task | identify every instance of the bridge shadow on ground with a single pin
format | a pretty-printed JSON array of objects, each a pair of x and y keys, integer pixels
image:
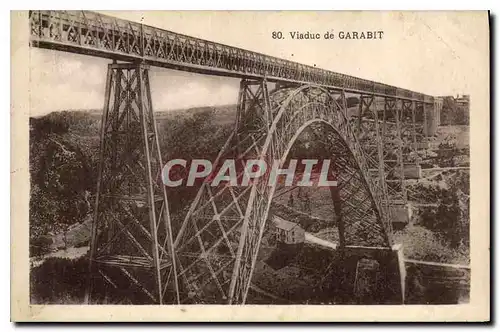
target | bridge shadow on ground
[
  {"x": 309, "y": 274},
  {"x": 290, "y": 274}
]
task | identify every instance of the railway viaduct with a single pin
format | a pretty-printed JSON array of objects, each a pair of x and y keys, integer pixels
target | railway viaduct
[{"x": 211, "y": 255}]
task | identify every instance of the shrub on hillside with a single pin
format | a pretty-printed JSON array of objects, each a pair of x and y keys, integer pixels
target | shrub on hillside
[
  {"x": 40, "y": 245},
  {"x": 450, "y": 218},
  {"x": 59, "y": 281},
  {"x": 422, "y": 244}
]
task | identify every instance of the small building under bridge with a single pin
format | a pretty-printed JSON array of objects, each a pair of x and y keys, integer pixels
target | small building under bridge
[{"x": 287, "y": 232}]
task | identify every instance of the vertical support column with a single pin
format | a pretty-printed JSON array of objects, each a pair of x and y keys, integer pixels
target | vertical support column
[
  {"x": 149, "y": 183},
  {"x": 401, "y": 157},
  {"x": 344, "y": 103},
  {"x": 438, "y": 106},
  {"x": 95, "y": 221},
  {"x": 393, "y": 115},
  {"x": 425, "y": 107},
  {"x": 334, "y": 190},
  {"x": 366, "y": 130},
  {"x": 409, "y": 137},
  {"x": 131, "y": 248},
  {"x": 359, "y": 127},
  {"x": 381, "y": 163},
  {"x": 240, "y": 111},
  {"x": 414, "y": 131},
  {"x": 256, "y": 209},
  {"x": 431, "y": 119},
  {"x": 165, "y": 208}
]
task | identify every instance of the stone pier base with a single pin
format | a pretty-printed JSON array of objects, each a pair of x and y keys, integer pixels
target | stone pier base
[
  {"x": 401, "y": 214},
  {"x": 380, "y": 274}
]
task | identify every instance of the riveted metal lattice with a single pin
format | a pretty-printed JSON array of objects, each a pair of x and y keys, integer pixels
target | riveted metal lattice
[
  {"x": 215, "y": 252},
  {"x": 132, "y": 243},
  {"x": 219, "y": 240},
  {"x": 97, "y": 34}
]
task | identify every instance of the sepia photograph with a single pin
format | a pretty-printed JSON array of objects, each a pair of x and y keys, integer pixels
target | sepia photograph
[{"x": 325, "y": 160}]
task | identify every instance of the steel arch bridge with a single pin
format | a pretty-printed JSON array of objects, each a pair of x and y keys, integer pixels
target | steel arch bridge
[
  {"x": 268, "y": 125},
  {"x": 212, "y": 256}
]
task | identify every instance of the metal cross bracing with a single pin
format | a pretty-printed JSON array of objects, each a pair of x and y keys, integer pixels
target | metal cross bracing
[
  {"x": 393, "y": 126},
  {"x": 131, "y": 237},
  {"x": 393, "y": 147},
  {"x": 370, "y": 131},
  {"x": 218, "y": 244},
  {"x": 413, "y": 121},
  {"x": 100, "y": 35}
]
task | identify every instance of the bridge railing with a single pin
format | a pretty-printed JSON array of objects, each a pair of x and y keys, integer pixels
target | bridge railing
[{"x": 97, "y": 34}]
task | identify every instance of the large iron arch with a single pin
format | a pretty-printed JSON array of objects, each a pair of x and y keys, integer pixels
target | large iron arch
[{"x": 216, "y": 259}]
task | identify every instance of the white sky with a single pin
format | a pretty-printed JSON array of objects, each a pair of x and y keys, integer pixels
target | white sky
[{"x": 430, "y": 52}]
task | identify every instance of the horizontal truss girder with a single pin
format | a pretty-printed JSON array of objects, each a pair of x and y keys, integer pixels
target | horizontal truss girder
[{"x": 100, "y": 35}]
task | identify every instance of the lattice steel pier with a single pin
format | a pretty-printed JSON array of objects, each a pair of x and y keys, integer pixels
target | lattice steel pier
[{"x": 131, "y": 233}]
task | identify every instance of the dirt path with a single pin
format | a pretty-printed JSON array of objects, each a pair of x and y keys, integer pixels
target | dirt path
[
  {"x": 70, "y": 253},
  {"x": 313, "y": 239}
]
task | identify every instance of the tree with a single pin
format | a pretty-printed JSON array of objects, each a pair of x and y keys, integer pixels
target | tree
[{"x": 448, "y": 220}]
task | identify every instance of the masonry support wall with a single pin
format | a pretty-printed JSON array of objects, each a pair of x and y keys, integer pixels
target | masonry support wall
[
  {"x": 438, "y": 106},
  {"x": 392, "y": 278},
  {"x": 433, "y": 114}
]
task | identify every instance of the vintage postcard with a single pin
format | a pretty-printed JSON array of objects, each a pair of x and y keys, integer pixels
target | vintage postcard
[{"x": 250, "y": 166}]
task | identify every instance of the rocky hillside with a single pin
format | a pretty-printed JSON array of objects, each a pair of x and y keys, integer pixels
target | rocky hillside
[{"x": 63, "y": 147}]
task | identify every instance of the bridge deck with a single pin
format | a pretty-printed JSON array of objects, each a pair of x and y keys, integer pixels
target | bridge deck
[{"x": 104, "y": 36}]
